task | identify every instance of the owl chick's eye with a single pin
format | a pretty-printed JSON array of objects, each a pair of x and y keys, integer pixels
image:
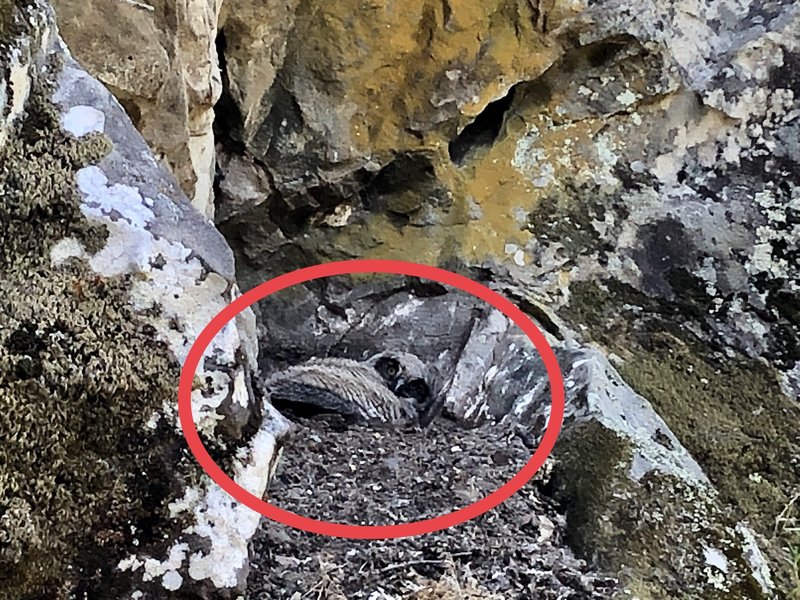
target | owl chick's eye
[{"x": 388, "y": 368}]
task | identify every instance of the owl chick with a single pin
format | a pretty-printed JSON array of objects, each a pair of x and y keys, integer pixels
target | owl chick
[{"x": 390, "y": 387}]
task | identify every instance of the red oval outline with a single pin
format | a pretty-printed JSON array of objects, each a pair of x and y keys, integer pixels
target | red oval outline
[{"x": 371, "y": 532}]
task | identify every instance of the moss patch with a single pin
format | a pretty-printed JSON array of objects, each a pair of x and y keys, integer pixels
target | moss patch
[
  {"x": 11, "y": 23},
  {"x": 591, "y": 456},
  {"x": 733, "y": 418},
  {"x": 5, "y": 16},
  {"x": 633, "y": 522},
  {"x": 729, "y": 412},
  {"x": 80, "y": 374}
]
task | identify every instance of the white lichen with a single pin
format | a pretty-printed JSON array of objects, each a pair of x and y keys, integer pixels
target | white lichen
[
  {"x": 65, "y": 249},
  {"x": 171, "y": 279},
  {"x": 82, "y": 120}
]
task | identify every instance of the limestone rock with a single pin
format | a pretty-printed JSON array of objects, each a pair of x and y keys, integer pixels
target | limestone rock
[
  {"x": 628, "y": 483},
  {"x": 335, "y": 92},
  {"x": 630, "y": 488},
  {"x": 159, "y": 58},
  {"x": 109, "y": 274},
  {"x": 632, "y": 169},
  {"x": 256, "y": 36}
]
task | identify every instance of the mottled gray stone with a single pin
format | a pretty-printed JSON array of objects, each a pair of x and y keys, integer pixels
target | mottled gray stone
[{"x": 176, "y": 272}]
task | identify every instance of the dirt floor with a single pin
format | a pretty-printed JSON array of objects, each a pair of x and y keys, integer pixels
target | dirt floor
[{"x": 358, "y": 475}]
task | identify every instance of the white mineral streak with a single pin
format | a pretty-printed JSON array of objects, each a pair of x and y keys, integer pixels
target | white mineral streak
[
  {"x": 790, "y": 382},
  {"x": 759, "y": 567},
  {"x": 17, "y": 89},
  {"x": 203, "y": 159},
  {"x": 715, "y": 558},
  {"x": 228, "y": 524},
  {"x": 22, "y": 57},
  {"x": 224, "y": 521},
  {"x": 172, "y": 280},
  {"x": 151, "y": 568}
]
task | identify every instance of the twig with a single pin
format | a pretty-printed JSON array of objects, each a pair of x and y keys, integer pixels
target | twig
[
  {"x": 782, "y": 518},
  {"x": 421, "y": 562}
]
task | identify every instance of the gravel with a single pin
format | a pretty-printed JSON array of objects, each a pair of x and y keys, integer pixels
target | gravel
[{"x": 359, "y": 475}]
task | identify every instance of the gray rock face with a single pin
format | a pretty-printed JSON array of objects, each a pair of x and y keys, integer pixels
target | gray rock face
[
  {"x": 635, "y": 177},
  {"x": 704, "y": 208},
  {"x": 626, "y": 172},
  {"x": 490, "y": 372},
  {"x": 160, "y": 61},
  {"x": 108, "y": 275}
]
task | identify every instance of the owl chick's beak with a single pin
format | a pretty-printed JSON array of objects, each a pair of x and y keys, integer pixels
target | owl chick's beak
[{"x": 419, "y": 390}]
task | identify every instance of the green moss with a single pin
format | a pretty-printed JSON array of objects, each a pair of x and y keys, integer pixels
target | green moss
[
  {"x": 733, "y": 418},
  {"x": 5, "y": 16},
  {"x": 729, "y": 412},
  {"x": 11, "y": 23},
  {"x": 590, "y": 455},
  {"x": 634, "y": 522},
  {"x": 80, "y": 374}
]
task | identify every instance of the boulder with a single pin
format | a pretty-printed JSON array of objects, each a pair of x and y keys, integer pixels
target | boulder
[
  {"x": 109, "y": 274},
  {"x": 159, "y": 58}
]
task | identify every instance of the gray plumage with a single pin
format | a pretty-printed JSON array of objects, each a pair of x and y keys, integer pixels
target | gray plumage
[{"x": 390, "y": 387}]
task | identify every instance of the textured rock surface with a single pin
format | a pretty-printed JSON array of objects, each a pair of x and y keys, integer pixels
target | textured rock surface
[
  {"x": 159, "y": 59},
  {"x": 385, "y": 476},
  {"x": 628, "y": 169},
  {"x": 627, "y": 172},
  {"x": 108, "y": 274},
  {"x": 626, "y": 482},
  {"x": 355, "y": 84}
]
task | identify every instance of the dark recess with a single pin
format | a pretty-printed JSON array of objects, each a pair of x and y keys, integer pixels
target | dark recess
[
  {"x": 483, "y": 131},
  {"x": 409, "y": 174},
  {"x": 132, "y": 110},
  {"x": 227, "y": 118},
  {"x": 405, "y": 172}
]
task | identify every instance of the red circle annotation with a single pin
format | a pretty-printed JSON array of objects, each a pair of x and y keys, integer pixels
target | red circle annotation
[{"x": 374, "y": 532}]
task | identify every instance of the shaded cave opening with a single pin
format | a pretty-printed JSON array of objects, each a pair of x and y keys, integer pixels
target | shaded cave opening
[{"x": 483, "y": 131}]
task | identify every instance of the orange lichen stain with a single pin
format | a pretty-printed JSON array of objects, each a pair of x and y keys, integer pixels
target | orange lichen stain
[
  {"x": 492, "y": 183},
  {"x": 415, "y": 74},
  {"x": 411, "y": 76},
  {"x": 379, "y": 237},
  {"x": 492, "y": 194},
  {"x": 499, "y": 191},
  {"x": 408, "y": 69},
  {"x": 505, "y": 189}
]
